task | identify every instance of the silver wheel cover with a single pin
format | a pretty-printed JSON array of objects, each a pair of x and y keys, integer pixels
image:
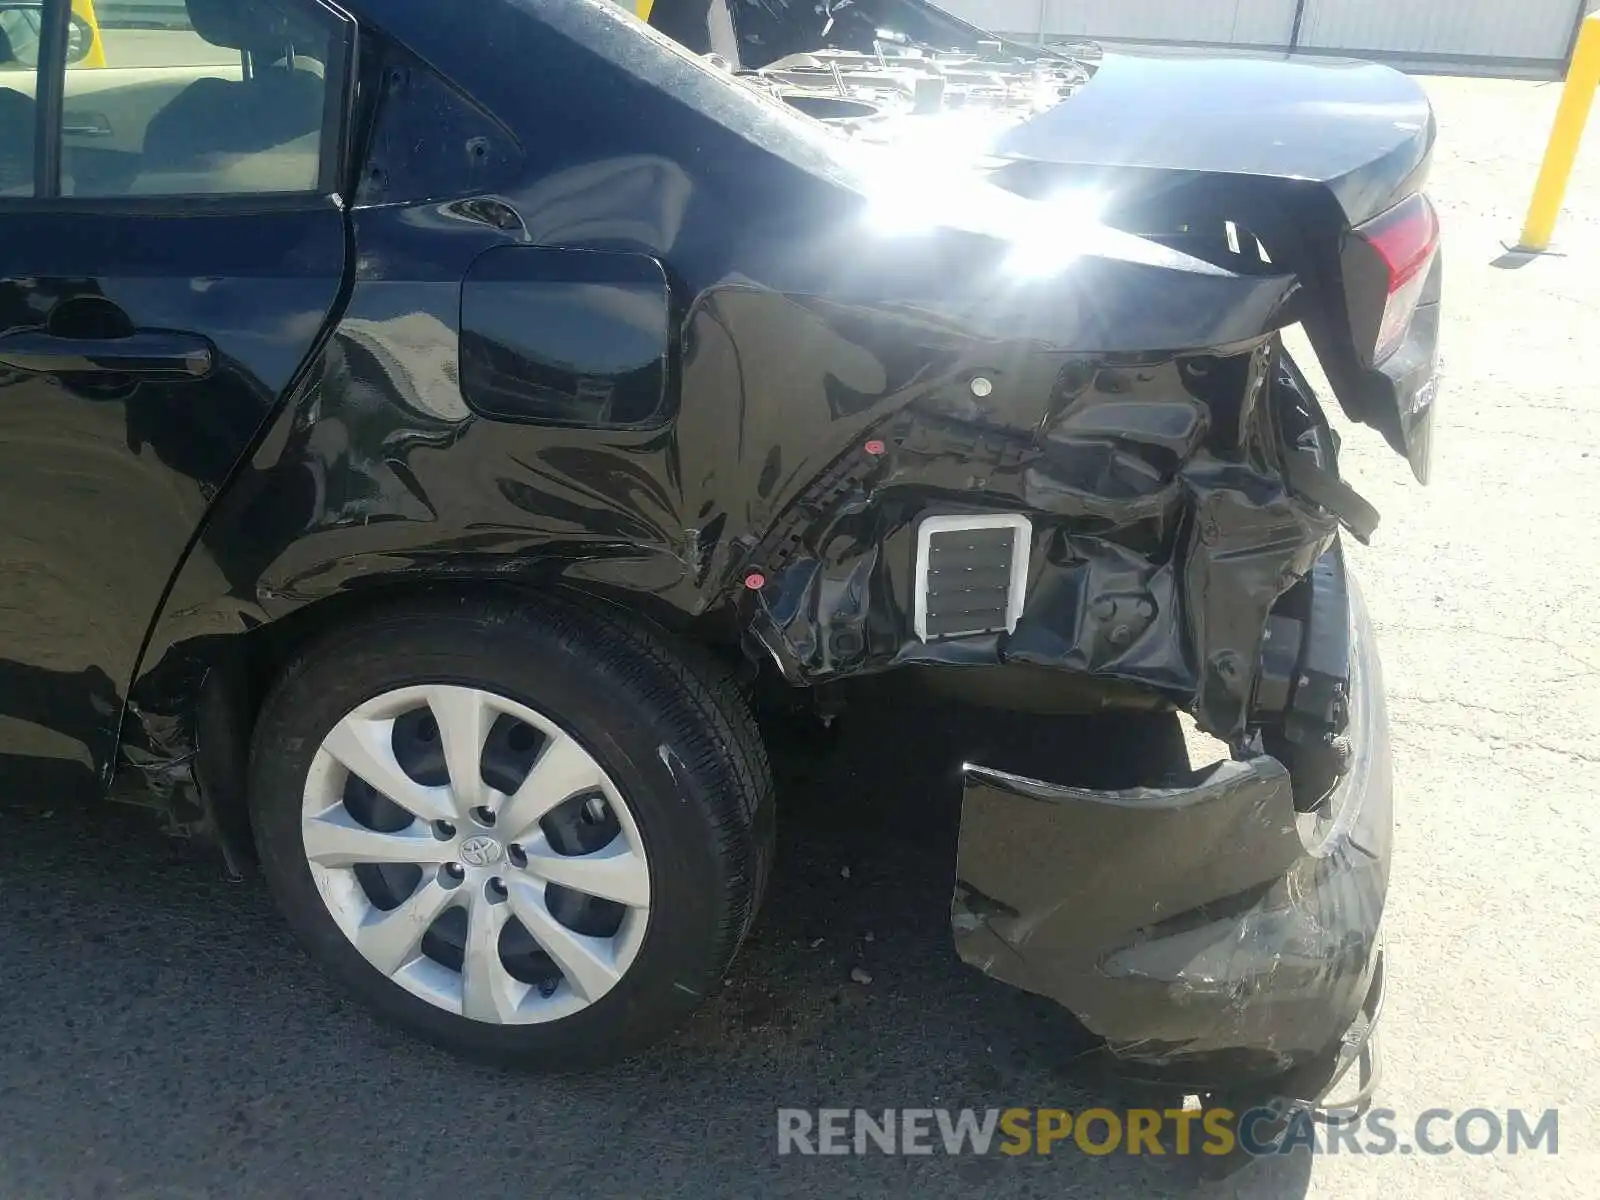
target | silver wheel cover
[{"x": 497, "y": 870}]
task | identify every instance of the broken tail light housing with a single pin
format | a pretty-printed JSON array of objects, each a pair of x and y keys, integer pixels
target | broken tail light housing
[{"x": 1407, "y": 239}]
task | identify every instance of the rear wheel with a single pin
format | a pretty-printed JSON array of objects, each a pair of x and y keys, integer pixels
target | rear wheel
[{"x": 531, "y": 834}]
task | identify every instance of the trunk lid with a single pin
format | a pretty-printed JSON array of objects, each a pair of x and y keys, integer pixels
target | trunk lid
[
  {"x": 1309, "y": 158},
  {"x": 1360, "y": 130},
  {"x": 1299, "y": 155}
]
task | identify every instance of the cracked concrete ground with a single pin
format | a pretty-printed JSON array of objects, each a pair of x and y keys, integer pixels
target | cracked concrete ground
[{"x": 160, "y": 1037}]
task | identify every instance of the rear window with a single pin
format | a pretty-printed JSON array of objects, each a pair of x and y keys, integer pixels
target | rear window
[
  {"x": 19, "y": 56},
  {"x": 616, "y": 34},
  {"x": 134, "y": 32}
]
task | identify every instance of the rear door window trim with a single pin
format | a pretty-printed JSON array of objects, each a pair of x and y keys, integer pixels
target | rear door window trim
[{"x": 50, "y": 96}]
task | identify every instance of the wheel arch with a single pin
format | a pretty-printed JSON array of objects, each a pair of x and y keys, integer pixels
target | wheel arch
[
  {"x": 191, "y": 713},
  {"x": 680, "y": 760}
]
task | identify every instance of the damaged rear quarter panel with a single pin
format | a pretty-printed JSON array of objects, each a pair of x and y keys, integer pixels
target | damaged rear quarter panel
[
  {"x": 1133, "y": 416},
  {"x": 1163, "y": 527}
]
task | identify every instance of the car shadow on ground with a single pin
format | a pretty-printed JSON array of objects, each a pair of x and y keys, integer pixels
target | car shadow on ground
[{"x": 160, "y": 1036}]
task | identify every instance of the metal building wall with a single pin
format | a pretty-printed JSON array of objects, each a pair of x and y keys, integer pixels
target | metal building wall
[
  {"x": 1530, "y": 29},
  {"x": 1229, "y": 22},
  {"x": 1534, "y": 32}
]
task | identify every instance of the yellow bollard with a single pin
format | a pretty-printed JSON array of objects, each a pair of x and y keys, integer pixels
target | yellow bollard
[
  {"x": 1576, "y": 100},
  {"x": 643, "y": 7}
]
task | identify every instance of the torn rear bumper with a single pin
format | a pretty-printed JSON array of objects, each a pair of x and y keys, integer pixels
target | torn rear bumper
[{"x": 1213, "y": 936}]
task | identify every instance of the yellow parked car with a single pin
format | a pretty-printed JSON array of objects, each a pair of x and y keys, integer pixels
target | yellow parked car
[
  {"x": 95, "y": 56},
  {"x": 19, "y": 37}
]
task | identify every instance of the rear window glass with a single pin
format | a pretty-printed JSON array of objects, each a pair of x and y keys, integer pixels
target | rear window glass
[
  {"x": 213, "y": 99},
  {"x": 133, "y": 32},
  {"x": 663, "y": 63},
  {"x": 19, "y": 54}
]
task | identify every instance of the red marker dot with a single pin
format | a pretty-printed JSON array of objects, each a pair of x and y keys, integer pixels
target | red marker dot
[
  {"x": 874, "y": 447},
  {"x": 755, "y": 581}
]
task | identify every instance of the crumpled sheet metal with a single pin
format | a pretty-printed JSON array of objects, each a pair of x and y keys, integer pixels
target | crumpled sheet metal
[
  {"x": 1164, "y": 529},
  {"x": 1209, "y": 933}
]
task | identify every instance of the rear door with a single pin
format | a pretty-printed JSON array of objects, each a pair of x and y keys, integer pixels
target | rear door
[{"x": 172, "y": 248}]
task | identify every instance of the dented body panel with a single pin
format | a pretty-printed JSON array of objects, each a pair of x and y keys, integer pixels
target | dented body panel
[
  {"x": 1164, "y": 529},
  {"x": 751, "y": 356},
  {"x": 1299, "y": 153}
]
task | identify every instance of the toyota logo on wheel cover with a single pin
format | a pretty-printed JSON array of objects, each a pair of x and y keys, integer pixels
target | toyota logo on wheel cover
[{"x": 480, "y": 851}]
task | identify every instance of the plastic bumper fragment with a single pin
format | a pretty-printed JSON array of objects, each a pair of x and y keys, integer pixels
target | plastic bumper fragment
[{"x": 1213, "y": 936}]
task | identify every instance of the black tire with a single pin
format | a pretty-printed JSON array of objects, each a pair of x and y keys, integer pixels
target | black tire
[{"x": 661, "y": 719}]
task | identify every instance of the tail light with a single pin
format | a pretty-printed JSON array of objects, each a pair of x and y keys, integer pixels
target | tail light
[{"x": 1407, "y": 239}]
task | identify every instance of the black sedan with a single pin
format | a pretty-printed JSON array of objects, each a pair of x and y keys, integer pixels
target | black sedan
[{"x": 424, "y": 442}]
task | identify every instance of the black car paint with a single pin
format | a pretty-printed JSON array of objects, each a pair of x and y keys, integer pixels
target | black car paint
[
  {"x": 1142, "y": 413},
  {"x": 1360, "y": 130},
  {"x": 1299, "y": 153},
  {"x": 1343, "y": 143},
  {"x": 105, "y": 476},
  {"x": 1214, "y": 930}
]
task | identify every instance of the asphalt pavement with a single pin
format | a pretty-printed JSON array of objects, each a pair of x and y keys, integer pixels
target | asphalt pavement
[{"x": 161, "y": 1037}]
